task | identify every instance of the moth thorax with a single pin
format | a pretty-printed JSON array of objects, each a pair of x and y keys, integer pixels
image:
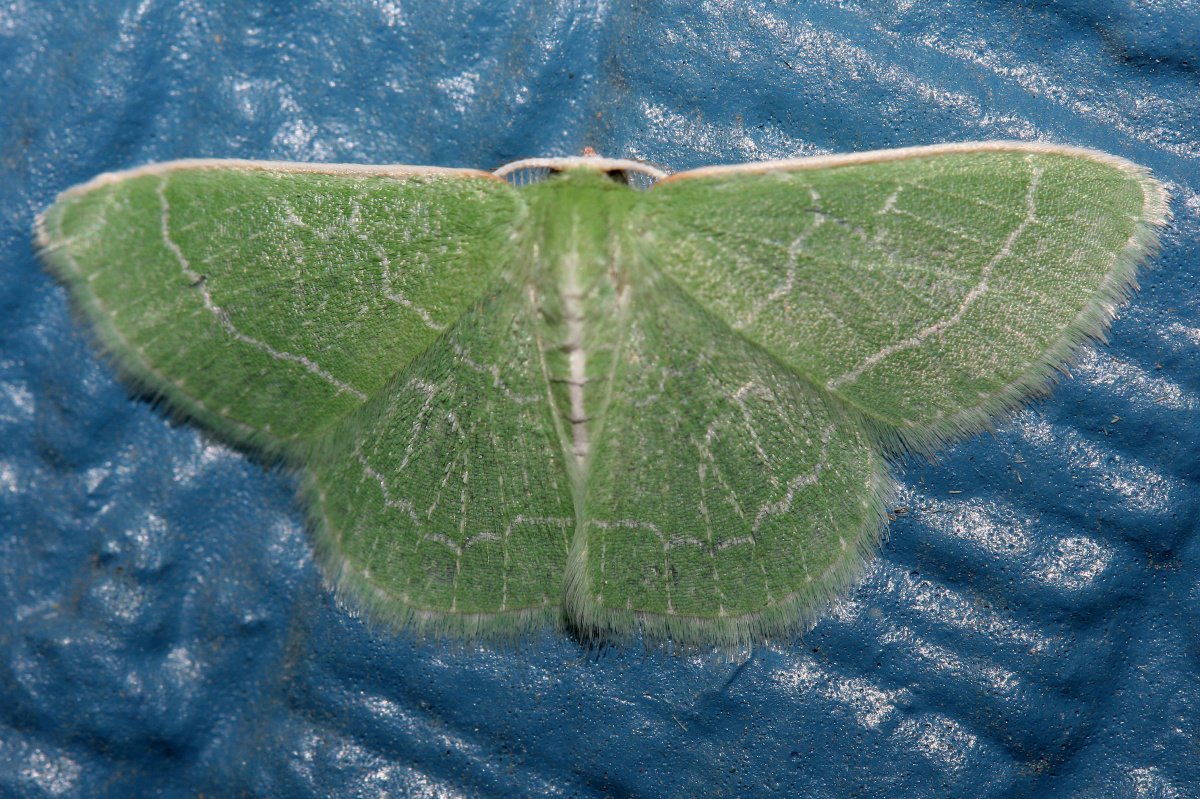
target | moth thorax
[{"x": 581, "y": 314}]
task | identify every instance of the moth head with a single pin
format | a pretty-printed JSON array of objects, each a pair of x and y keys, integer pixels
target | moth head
[{"x": 635, "y": 174}]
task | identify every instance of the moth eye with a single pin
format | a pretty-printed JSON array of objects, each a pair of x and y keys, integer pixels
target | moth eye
[
  {"x": 640, "y": 179},
  {"x": 633, "y": 178}
]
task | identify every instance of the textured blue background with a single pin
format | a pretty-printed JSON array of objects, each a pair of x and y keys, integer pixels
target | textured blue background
[{"x": 164, "y": 631}]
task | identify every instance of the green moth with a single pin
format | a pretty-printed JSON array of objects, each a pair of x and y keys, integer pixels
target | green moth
[{"x": 604, "y": 397}]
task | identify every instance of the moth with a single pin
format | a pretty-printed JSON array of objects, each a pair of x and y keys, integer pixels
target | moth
[{"x": 580, "y": 391}]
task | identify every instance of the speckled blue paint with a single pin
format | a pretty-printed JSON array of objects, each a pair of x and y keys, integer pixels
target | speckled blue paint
[{"x": 163, "y": 630}]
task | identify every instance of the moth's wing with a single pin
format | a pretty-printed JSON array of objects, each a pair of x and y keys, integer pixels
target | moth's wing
[
  {"x": 930, "y": 288},
  {"x": 443, "y": 506},
  {"x": 268, "y": 300},
  {"x": 726, "y": 499}
]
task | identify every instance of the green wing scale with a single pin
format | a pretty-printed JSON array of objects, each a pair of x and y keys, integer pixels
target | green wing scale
[
  {"x": 727, "y": 497},
  {"x": 668, "y": 411}
]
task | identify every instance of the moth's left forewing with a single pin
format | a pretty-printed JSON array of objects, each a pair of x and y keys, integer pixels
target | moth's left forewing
[
  {"x": 928, "y": 288},
  {"x": 267, "y": 300}
]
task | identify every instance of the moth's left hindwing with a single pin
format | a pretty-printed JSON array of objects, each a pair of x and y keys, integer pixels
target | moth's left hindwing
[
  {"x": 444, "y": 504},
  {"x": 270, "y": 300}
]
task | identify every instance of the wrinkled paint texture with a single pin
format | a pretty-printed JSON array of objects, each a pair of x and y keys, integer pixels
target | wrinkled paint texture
[{"x": 164, "y": 630}]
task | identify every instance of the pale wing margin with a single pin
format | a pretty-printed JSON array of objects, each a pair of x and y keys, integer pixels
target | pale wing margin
[
  {"x": 201, "y": 280},
  {"x": 725, "y": 237}
]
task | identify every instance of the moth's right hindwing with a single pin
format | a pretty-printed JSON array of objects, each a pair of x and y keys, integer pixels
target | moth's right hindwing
[{"x": 726, "y": 499}]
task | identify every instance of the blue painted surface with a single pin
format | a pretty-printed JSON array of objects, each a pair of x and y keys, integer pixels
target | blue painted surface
[{"x": 164, "y": 631}]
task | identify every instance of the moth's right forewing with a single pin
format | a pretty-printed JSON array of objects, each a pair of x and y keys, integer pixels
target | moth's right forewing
[{"x": 929, "y": 288}]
